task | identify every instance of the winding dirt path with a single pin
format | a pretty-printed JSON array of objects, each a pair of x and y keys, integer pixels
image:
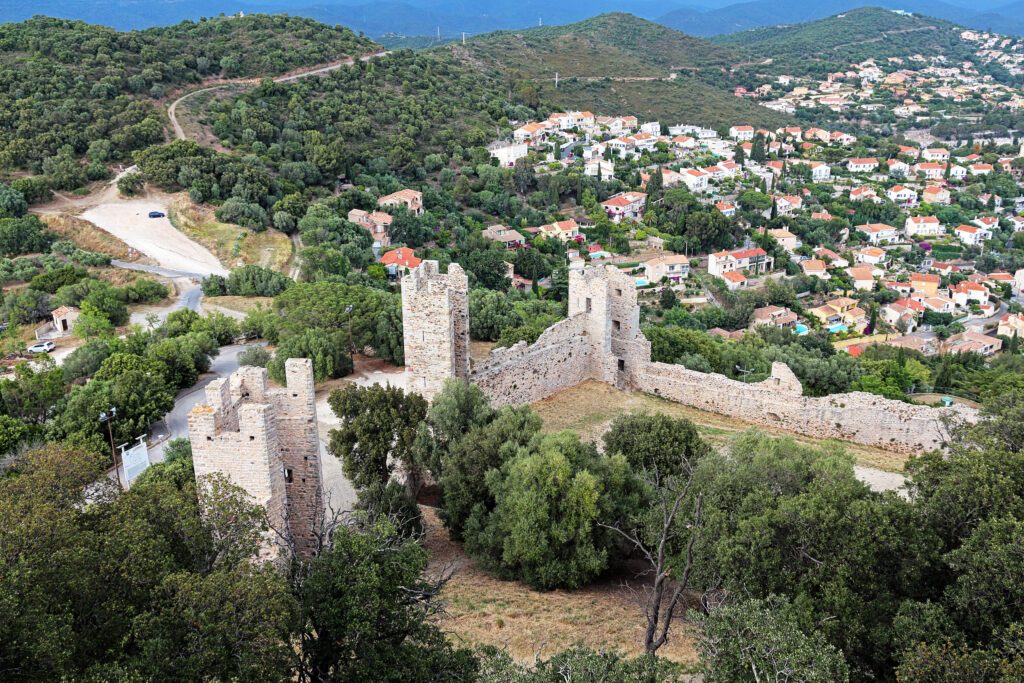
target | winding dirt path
[{"x": 172, "y": 109}]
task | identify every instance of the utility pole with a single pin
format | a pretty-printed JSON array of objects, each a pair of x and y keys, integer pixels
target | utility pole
[
  {"x": 556, "y": 80},
  {"x": 351, "y": 357},
  {"x": 108, "y": 418}
]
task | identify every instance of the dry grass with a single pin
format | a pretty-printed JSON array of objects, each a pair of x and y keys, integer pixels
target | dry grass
[
  {"x": 590, "y": 408},
  {"x": 480, "y": 350},
  {"x": 242, "y": 304},
  {"x": 936, "y": 399},
  {"x": 87, "y": 236},
  {"x": 234, "y": 246},
  {"x": 483, "y": 610}
]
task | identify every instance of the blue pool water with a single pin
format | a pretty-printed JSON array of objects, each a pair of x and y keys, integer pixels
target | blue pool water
[
  {"x": 801, "y": 328},
  {"x": 838, "y": 327},
  {"x": 641, "y": 282}
]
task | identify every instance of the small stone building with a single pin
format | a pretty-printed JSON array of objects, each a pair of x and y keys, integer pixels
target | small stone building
[{"x": 64, "y": 319}]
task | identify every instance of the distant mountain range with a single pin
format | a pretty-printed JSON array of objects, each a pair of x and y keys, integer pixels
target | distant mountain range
[{"x": 453, "y": 17}]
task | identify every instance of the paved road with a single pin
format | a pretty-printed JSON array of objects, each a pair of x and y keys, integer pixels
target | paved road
[{"x": 175, "y": 423}]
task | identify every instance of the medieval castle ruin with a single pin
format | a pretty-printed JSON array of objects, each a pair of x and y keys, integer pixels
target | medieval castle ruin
[
  {"x": 601, "y": 340},
  {"x": 266, "y": 442}
]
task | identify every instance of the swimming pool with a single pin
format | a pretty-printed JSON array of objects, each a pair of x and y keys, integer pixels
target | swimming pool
[
  {"x": 837, "y": 328},
  {"x": 641, "y": 282},
  {"x": 801, "y": 328}
]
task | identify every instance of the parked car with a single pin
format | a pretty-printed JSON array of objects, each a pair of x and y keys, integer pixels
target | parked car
[
  {"x": 156, "y": 214},
  {"x": 42, "y": 347}
]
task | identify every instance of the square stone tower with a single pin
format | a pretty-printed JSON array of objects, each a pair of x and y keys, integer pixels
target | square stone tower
[
  {"x": 435, "y": 322},
  {"x": 607, "y": 298},
  {"x": 265, "y": 441}
]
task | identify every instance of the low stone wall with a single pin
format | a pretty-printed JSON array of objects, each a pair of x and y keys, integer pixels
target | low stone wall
[
  {"x": 777, "y": 402},
  {"x": 561, "y": 358}
]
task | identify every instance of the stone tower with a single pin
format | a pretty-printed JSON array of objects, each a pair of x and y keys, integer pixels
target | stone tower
[
  {"x": 265, "y": 441},
  {"x": 435, "y": 323},
  {"x": 606, "y": 297}
]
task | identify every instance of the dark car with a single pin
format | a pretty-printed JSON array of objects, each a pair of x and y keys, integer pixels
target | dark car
[{"x": 156, "y": 214}]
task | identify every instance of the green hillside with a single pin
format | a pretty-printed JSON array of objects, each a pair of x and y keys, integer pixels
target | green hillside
[
  {"x": 605, "y": 45},
  {"x": 853, "y": 36},
  {"x": 67, "y": 83},
  {"x": 618, "y": 63}
]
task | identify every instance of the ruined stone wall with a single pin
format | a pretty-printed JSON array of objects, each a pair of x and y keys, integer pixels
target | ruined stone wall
[
  {"x": 777, "y": 402},
  {"x": 435, "y": 323},
  {"x": 601, "y": 340},
  {"x": 561, "y": 358},
  {"x": 265, "y": 441}
]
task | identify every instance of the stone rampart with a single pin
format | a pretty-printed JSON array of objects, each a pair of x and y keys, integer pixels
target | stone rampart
[
  {"x": 601, "y": 340},
  {"x": 777, "y": 402}
]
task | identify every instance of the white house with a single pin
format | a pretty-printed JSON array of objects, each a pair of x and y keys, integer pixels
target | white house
[
  {"x": 966, "y": 292},
  {"x": 872, "y": 256},
  {"x": 820, "y": 171},
  {"x": 935, "y": 154},
  {"x": 531, "y": 132},
  {"x": 898, "y": 168},
  {"x": 741, "y": 133},
  {"x": 507, "y": 153},
  {"x": 930, "y": 170},
  {"x": 675, "y": 267},
  {"x": 755, "y": 260},
  {"x": 862, "y": 164},
  {"x": 972, "y": 235},
  {"x": 878, "y": 233},
  {"x": 625, "y": 205},
  {"x": 695, "y": 179},
  {"x": 726, "y": 208},
  {"x": 596, "y": 167},
  {"x": 901, "y": 195},
  {"x": 651, "y": 128},
  {"x": 923, "y": 226}
]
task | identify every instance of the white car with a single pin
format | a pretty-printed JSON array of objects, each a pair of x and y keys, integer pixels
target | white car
[{"x": 42, "y": 347}]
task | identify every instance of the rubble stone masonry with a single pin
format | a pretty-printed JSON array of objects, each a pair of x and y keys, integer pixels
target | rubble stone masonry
[
  {"x": 265, "y": 441},
  {"x": 435, "y": 323},
  {"x": 601, "y": 340}
]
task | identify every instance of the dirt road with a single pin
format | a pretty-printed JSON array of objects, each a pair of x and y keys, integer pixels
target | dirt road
[{"x": 172, "y": 110}]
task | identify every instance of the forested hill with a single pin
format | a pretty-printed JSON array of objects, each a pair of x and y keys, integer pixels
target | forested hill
[
  {"x": 606, "y": 45},
  {"x": 869, "y": 32},
  {"x": 619, "y": 63},
  {"x": 67, "y": 83}
]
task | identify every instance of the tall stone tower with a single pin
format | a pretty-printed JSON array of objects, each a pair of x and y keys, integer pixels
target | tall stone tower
[
  {"x": 435, "y": 322},
  {"x": 607, "y": 298},
  {"x": 265, "y": 441}
]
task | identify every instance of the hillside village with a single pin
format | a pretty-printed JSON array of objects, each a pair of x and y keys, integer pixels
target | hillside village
[{"x": 924, "y": 272}]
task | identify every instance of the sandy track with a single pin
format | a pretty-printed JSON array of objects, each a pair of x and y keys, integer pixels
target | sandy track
[{"x": 154, "y": 237}]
